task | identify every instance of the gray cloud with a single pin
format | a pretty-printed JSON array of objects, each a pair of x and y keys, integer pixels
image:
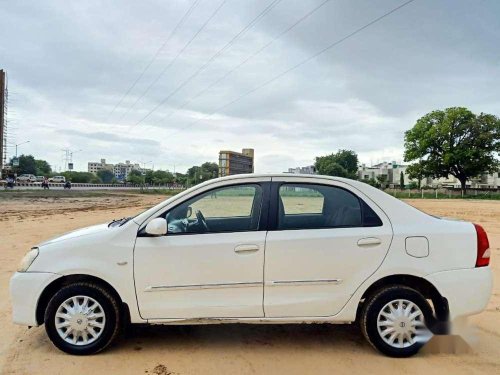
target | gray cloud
[{"x": 69, "y": 63}]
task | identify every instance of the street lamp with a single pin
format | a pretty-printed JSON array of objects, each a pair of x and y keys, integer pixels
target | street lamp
[
  {"x": 144, "y": 163},
  {"x": 19, "y": 144}
]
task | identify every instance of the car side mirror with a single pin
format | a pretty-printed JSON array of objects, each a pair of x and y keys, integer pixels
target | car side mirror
[{"x": 157, "y": 227}]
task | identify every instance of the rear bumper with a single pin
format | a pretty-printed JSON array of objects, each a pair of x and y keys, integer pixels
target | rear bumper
[
  {"x": 25, "y": 291},
  {"x": 467, "y": 290}
]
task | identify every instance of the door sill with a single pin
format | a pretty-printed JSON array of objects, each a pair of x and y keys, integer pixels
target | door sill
[{"x": 285, "y": 320}]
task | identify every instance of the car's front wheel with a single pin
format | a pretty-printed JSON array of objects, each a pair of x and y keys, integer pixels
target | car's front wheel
[
  {"x": 82, "y": 318},
  {"x": 394, "y": 319}
]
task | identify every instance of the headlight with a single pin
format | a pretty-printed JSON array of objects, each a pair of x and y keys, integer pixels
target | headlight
[{"x": 27, "y": 260}]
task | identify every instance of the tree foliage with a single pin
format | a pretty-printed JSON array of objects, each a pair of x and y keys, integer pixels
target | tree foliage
[
  {"x": 135, "y": 177},
  {"x": 454, "y": 142},
  {"x": 204, "y": 172},
  {"x": 401, "y": 180},
  {"x": 29, "y": 165},
  {"x": 159, "y": 177},
  {"x": 106, "y": 176},
  {"x": 81, "y": 177},
  {"x": 344, "y": 163},
  {"x": 42, "y": 167}
]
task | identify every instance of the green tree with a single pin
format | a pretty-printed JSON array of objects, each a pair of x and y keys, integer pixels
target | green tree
[
  {"x": 106, "y": 176},
  {"x": 382, "y": 179},
  {"x": 344, "y": 163},
  {"x": 454, "y": 142},
  {"x": 162, "y": 177},
  {"x": 402, "y": 180},
  {"x": 206, "y": 171},
  {"x": 148, "y": 177},
  {"x": 371, "y": 181},
  {"x": 80, "y": 177},
  {"x": 135, "y": 177},
  {"x": 42, "y": 167},
  {"x": 27, "y": 165}
]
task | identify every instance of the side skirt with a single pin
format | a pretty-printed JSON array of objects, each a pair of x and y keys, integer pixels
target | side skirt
[{"x": 288, "y": 320}]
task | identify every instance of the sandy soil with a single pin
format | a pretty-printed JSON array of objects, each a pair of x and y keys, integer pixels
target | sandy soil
[{"x": 228, "y": 349}]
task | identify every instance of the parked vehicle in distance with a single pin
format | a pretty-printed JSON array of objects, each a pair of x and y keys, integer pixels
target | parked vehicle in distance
[
  {"x": 58, "y": 179},
  {"x": 40, "y": 178},
  {"x": 260, "y": 249},
  {"x": 26, "y": 178}
]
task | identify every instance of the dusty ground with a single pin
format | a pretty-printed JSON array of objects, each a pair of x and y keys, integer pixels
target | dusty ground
[{"x": 229, "y": 349}]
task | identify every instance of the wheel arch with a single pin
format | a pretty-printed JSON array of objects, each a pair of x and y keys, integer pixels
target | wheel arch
[
  {"x": 55, "y": 285},
  {"x": 426, "y": 288}
]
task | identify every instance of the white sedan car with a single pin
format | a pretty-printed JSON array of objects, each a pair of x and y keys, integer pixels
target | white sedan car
[{"x": 260, "y": 249}]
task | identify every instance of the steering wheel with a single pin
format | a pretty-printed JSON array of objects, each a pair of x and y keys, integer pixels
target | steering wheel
[{"x": 201, "y": 220}]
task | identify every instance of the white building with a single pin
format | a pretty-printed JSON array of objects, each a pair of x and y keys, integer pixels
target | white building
[
  {"x": 389, "y": 171},
  {"x": 94, "y": 167},
  {"x": 120, "y": 170},
  {"x": 310, "y": 169},
  {"x": 392, "y": 172}
]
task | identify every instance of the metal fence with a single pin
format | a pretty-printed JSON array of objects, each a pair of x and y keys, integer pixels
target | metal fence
[
  {"x": 84, "y": 186},
  {"x": 449, "y": 193}
]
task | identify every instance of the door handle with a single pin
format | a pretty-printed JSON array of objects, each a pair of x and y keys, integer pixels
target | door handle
[
  {"x": 246, "y": 248},
  {"x": 369, "y": 241}
]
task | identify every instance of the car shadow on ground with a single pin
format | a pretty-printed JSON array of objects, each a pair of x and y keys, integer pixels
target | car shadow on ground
[{"x": 227, "y": 336}]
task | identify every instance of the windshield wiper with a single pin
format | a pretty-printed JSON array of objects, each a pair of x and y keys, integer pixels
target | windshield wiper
[
  {"x": 119, "y": 222},
  {"x": 125, "y": 220}
]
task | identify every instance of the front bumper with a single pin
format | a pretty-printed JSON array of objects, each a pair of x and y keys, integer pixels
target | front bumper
[
  {"x": 467, "y": 290},
  {"x": 25, "y": 291}
]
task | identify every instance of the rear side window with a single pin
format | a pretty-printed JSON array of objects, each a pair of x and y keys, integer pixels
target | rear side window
[{"x": 310, "y": 206}]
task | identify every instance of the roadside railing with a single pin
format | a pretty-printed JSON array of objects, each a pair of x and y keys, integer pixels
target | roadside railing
[
  {"x": 444, "y": 193},
  {"x": 78, "y": 185}
]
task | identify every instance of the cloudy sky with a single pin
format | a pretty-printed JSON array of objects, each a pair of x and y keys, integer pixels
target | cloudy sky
[{"x": 209, "y": 82}]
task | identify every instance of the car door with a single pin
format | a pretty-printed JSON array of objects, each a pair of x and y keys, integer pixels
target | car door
[
  {"x": 208, "y": 266},
  {"x": 324, "y": 241}
]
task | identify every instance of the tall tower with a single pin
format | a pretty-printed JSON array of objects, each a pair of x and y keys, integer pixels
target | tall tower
[{"x": 3, "y": 108}]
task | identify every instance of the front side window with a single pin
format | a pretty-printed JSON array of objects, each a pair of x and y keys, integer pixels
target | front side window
[
  {"x": 227, "y": 209},
  {"x": 309, "y": 206}
]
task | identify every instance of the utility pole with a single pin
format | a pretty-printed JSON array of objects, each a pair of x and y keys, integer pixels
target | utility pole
[
  {"x": 3, "y": 106},
  {"x": 19, "y": 144},
  {"x": 68, "y": 157}
]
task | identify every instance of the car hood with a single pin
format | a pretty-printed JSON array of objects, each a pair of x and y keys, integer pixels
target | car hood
[{"x": 77, "y": 233}]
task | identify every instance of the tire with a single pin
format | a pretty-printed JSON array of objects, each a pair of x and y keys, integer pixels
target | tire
[
  {"x": 90, "y": 326},
  {"x": 398, "y": 310}
]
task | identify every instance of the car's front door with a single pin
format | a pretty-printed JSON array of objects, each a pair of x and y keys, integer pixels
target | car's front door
[
  {"x": 327, "y": 239},
  {"x": 210, "y": 262}
]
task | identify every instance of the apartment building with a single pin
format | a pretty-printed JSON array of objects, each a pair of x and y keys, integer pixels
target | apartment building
[
  {"x": 120, "y": 170},
  {"x": 94, "y": 167},
  {"x": 233, "y": 162}
]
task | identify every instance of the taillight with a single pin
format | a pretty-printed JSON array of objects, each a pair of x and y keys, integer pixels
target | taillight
[{"x": 483, "y": 247}]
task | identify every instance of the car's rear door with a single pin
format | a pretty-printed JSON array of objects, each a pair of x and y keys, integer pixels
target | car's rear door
[
  {"x": 325, "y": 239},
  {"x": 214, "y": 272}
]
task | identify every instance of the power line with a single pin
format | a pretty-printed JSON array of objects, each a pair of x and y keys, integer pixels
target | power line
[
  {"x": 302, "y": 62},
  {"x": 153, "y": 59},
  {"x": 250, "y": 57},
  {"x": 157, "y": 78},
  {"x": 218, "y": 53}
]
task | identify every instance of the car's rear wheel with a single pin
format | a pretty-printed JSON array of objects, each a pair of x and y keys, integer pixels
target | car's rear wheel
[
  {"x": 393, "y": 320},
  {"x": 82, "y": 318}
]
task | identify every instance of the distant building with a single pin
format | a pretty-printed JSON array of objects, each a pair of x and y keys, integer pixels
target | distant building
[
  {"x": 391, "y": 173},
  {"x": 120, "y": 170},
  {"x": 310, "y": 169},
  {"x": 94, "y": 167},
  {"x": 232, "y": 162}
]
